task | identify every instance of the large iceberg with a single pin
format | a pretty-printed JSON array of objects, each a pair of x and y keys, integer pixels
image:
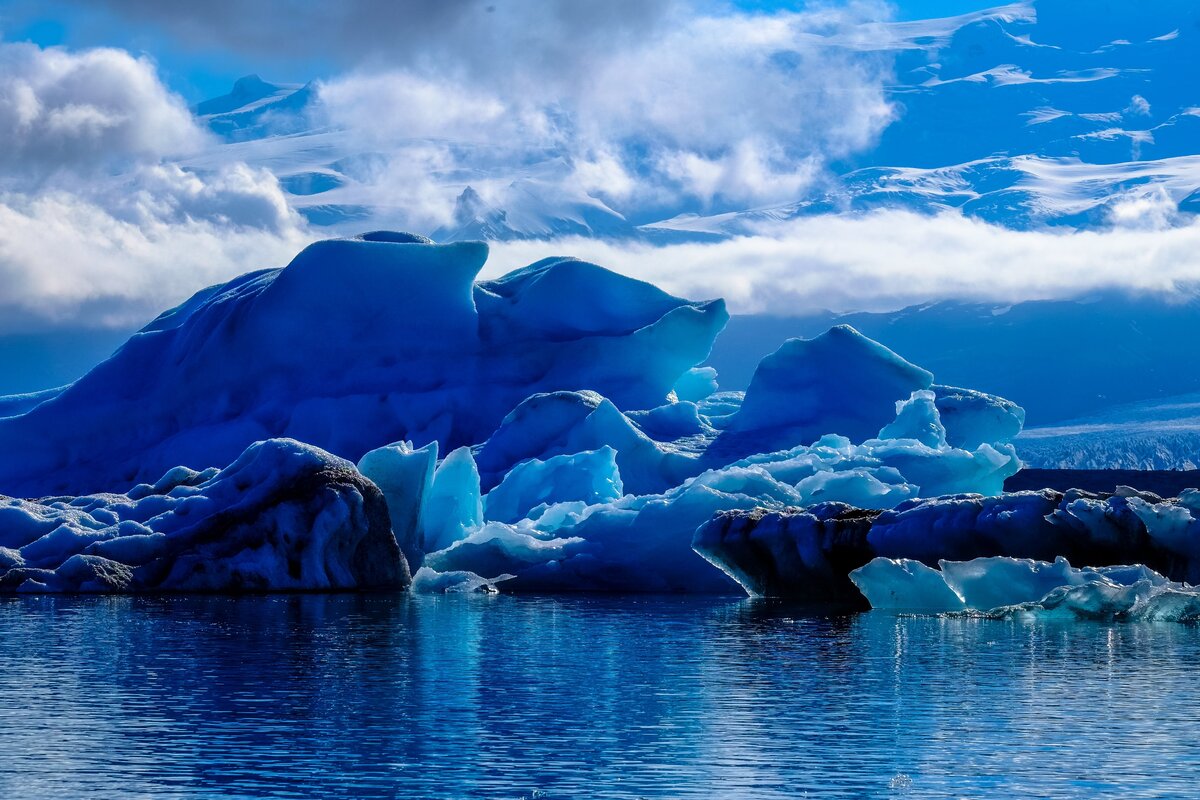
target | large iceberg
[
  {"x": 549, "y": 429},
  {"x": 358, "y": 343},
  {"x": 284, "y": 516}
]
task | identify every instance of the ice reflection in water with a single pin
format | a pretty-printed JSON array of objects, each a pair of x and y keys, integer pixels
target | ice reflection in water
[{"x": 500, "y": 697}]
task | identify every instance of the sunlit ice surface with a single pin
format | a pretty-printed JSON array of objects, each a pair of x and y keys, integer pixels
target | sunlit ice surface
[{"x": 390, "y": 695}]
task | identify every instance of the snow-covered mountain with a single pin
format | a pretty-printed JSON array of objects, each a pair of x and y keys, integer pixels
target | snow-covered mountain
[{"x": 1026, "y": 115}]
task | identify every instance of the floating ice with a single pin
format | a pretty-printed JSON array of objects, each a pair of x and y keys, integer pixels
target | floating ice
[
  {"x": 590, "y": 476},
  {"x": 905, "y": 585},
  {"x": 404, "y": 475},
  {"x": 584, "y": 447},
  {"x": 758, "y": 547},
  {"x": 1023, "y": 588},
  {"x": 426, "y": 581},
  {"x": 283, "y": 516},
  {"x": 358, "y": 343}
]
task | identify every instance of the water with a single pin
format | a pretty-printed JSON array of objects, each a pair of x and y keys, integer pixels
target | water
[{"x": 610, "y": 697}]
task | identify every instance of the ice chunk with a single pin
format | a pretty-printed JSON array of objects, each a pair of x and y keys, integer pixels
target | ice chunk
[
  {"x": 283, "y": 516},
  {"x": 453, "y": 504},
  {"x": 427, "y": 581},
  {"x": 839, "y": 382},
  {"x": 987, "y": 583},
  {"x": 696, "y": 384},
  {"x": 917, "y": 418},
  {"x": 1029, "y": 529},
  {"x": 858, "y": 487},
  {"x": 562, "y": 423},
  {"x": 404, "y": 475},
  {"x": 672, "y": 421},
  {"x": 973, "y": 418},
  {"x": 1023, "y": 588},
  {"x": 496, "y": 548},
  {"x": 799, "y": 554},
  {"x": 590, "y": 476},
  {"x": 905, "y": 585}
]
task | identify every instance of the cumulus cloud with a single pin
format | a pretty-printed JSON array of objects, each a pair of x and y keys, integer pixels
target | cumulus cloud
[
  {"x": 83, "y": 110},
  {"x": 716, "y": 109},
  {"x": 891, "y": 259},
  {"x": 96, "y": 227}
]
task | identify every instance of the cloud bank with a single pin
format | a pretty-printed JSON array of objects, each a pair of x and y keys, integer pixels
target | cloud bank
[
  {"x": 891, "y": 259},
  {"x": 84, "y": 111}
]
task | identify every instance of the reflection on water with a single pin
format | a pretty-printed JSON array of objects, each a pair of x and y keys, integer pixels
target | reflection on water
[{"x": 501, "y": 697}]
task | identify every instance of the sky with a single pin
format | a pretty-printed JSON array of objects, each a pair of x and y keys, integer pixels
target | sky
[
  {"x": 198, "y": 57},
  {"x": 116, "y": 202}
]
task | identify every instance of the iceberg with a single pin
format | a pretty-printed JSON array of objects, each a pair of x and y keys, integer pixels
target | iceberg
[
  {"x": 549, "y": 427},
  {"x": 356, "y": 344},
  {"x": 1026, "y": 589},
  {"x": 759, "y": 547},
  {"x": 284, "y": 516}
]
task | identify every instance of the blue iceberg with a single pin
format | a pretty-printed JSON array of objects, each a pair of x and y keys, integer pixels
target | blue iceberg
[{"x": 550, "y": 428}]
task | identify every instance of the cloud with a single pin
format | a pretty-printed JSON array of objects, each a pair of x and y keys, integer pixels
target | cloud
[
  {"x": 891, "y": 259},
  {"x": 96, "y": 228},
  {"x": 85, "y": 110},
  {"x": 103, "y": 259},
  {"x": 477, "y": 37},
  {"x": 712, "y": 109}
]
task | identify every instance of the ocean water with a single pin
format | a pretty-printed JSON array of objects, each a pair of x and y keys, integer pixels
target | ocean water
[{"x": 582, "y": 697}]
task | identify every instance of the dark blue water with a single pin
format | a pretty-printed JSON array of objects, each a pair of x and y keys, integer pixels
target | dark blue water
[{"x": 614, "y": 697}]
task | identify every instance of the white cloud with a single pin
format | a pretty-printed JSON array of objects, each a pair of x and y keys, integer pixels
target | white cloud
[
  {"x": 891, "y": 259},
  {"x": 65, "y": 257},
  {"x": 95, "y": 227},
  {"x": 736, "y": 108},
  {"x": 83, "y": 110}
]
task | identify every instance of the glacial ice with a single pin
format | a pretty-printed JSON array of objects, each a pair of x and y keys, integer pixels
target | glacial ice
[
  {"x": 1027, "y": 589},
  {"x": 583, "y": 446},
  {"x": 452, "y": 504},
  {"x": 283, "y": 516},
  {"x": 590, "y": 476},
  {"x": 358, "y": 343},
  {"x": 777, "y": 551},
  {"x": 839, "y": 382},
  {"x": 404, "y": 474}
]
